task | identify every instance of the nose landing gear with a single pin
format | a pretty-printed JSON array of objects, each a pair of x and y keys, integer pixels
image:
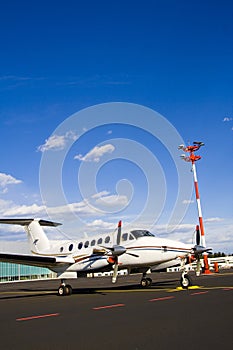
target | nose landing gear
[{"x": 185, "y": 280}]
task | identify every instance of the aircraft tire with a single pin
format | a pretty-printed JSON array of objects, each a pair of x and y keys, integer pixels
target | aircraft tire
[
  {"x": 146, "y": 282},
  {"x": 61, "y": 291},
  {"x": 68, "y": 289},
  {"x": 64, "y": 290},
  {"x": 185, "y": 281}
]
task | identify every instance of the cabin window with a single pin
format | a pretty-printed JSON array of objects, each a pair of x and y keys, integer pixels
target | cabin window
[
  {"x": 107, "y": 239},
  {"x": 93, "y": 242},
  {"x": 99, "y": 241},
  {"x": 61, "y": 249},
  {"x": 86, "y": 244},
  {"x": 124, "y": 236},
  {"x": 71, "y": 247},
  {"x": 131, "y": 237},
  {"x": 80, "y": 245}
]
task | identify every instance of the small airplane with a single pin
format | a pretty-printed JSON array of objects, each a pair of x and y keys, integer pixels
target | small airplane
[{"x": 135, "y": 250}]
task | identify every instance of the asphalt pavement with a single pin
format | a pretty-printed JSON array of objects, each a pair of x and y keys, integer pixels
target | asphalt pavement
[{"x": 99, "y": 315}]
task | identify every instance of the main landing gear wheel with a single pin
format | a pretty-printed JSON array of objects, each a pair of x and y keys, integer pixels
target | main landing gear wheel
[
  {"x": 185, "y": 281},
  {"x": 64, "y": 290},
  {"x": 146, "y": 282}
]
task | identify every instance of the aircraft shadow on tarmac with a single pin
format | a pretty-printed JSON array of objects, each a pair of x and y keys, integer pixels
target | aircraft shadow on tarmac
[
  {"x": 100, "y": 290},
  {"x": 104, "y": 290}
]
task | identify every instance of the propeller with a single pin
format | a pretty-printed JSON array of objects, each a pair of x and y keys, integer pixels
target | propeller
[
  {"x": 198, "y": 250},
  {"x": 115, "y": 251}
]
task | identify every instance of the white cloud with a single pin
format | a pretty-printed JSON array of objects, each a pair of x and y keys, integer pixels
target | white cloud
[
  {"x": 83, "y": 208},
  {"x": 100, "y": 194},
  {"x": 113, "y": 200},
  {"x": 100, "y": 224},
  {"x": 20, "y": 210},
  {"x": 188, "y": 201},
  {"x": 96, "y": 153},
  {"x": 216, "y": 219},
  {"x": 57, "y": 142},
  {"x": 227, "y": 119},
  {"x": 5, "y": 180}
]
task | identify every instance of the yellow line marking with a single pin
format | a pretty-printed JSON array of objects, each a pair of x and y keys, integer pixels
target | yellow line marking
[
  {"x": 169, "y": 290},
  {"x": 191, "y": 287},
  {"x": 32, "y": 292},
  {"x": 129, "y": 290}
]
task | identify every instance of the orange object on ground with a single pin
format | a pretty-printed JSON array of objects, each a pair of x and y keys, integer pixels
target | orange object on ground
[
  {"x": 216, "y": 267},
  {"x": 206, "y": 264}
]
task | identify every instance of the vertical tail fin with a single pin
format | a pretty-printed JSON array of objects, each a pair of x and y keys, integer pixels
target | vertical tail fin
[{"x": 37, "y": 238}]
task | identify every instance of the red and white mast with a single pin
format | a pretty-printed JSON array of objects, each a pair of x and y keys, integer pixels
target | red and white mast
[
  {"x": 198, "y": 204},
  {"x": 193, "y": 158}
]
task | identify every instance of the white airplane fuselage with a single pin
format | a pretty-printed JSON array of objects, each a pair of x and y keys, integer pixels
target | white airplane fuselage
[
  {"x": 135, "y": 250},
  {"x": 146, "y": 252}
]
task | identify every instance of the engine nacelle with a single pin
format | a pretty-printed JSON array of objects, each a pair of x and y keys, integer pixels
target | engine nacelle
[{"x": 89, "y": 264}]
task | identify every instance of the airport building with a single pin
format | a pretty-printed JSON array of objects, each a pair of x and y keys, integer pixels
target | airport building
[{"x": 15, "y": 272}]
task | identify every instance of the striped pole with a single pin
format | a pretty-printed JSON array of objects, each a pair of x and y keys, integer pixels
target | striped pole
[
  {"x": 198, "y": 204},
  {"x": 193, "y": 158},
  {"x": 205, "y": 255}
]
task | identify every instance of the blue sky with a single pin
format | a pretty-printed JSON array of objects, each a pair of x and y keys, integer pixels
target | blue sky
[{"x": 58, "y": 59}]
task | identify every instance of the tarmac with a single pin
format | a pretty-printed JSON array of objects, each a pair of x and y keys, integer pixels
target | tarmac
[{"x": 100, "y": 315}]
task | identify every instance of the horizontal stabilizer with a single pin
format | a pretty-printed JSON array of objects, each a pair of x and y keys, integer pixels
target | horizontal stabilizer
[{"x": 26, "y": 222}]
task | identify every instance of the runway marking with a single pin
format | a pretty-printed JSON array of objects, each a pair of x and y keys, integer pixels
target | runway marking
[
  {"x": 36, "y": 317},
  {"x": 228, "y": 288},
  {"x": 107, "y": 306},
  {"x": 198, "y": 293},
  {"x": 191, "y": 287},
  {"x": 27, "y": 293},
  {"x": 160, "y": 299},
  {"x": 217, "y": 288},
  {"x": 169, "y": 290},
  {"x": 131, "y": 290}
]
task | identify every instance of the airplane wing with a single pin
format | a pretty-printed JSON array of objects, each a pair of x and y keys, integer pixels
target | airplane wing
[
  {"x": 40, "y": 261},
  {"x": 25, "y": 222}
]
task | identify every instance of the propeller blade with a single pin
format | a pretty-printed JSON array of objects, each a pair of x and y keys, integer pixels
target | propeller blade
[
  {"x": 198, "y": 269},
  {"x": 115, "y": 271},
  {"x": 136, "y": 256},
  {"x": 118, "y": 239},
  {"x": 198, "y": 237}
]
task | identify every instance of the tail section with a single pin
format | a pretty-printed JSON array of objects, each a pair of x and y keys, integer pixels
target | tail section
[{"x": 37, "y": 238}]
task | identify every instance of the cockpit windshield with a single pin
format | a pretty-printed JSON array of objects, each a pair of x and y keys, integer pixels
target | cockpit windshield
[{"x": 141, "y": 233}]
